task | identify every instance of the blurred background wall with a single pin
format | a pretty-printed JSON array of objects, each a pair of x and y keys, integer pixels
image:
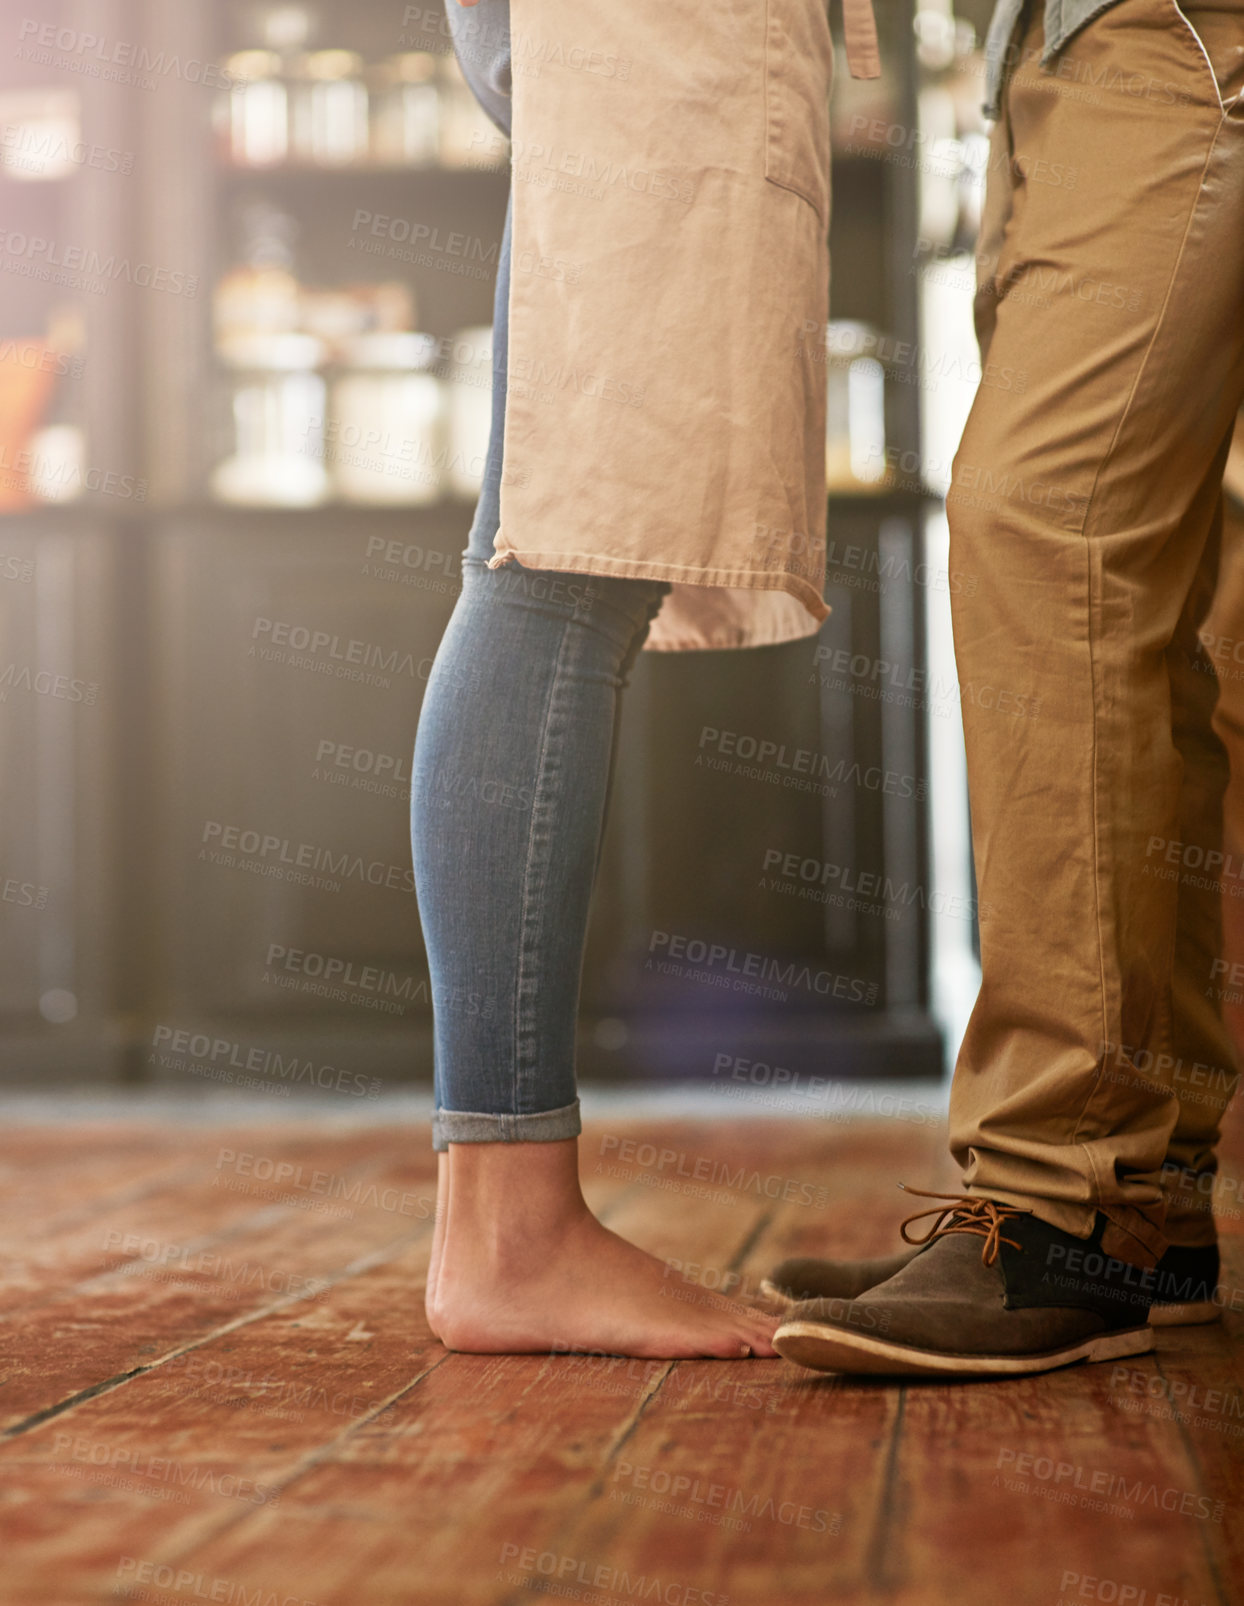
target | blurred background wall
[{"x": 245, "y": 277}]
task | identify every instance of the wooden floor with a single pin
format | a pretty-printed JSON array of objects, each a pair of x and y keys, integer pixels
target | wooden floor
[{"x": 218, "y": 1386}]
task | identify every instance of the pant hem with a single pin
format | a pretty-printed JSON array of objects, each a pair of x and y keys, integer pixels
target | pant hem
[{"x": 468, "y": 1126}]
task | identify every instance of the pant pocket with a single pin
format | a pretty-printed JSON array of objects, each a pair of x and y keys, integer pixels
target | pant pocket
[
  {"x": 1215, "y": 36},
  {"x": 799, "y": 63}
]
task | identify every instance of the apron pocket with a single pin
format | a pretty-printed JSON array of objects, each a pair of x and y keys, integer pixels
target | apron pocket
[{"x": 799, "y": 63}]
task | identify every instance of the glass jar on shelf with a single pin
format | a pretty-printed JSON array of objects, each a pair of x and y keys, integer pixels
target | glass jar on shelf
[
  {"x": 278, "y": 402},
  {"x": 329, "y": 116},
  {"x": 406, "y": 110},
  {"x": 386, "y": 423},
  {"x": 341, "y": 313},
  {"x": 260, "y": 293},
  {"x": 855, "y": 433},
  {"x": 256, "y": 109}
]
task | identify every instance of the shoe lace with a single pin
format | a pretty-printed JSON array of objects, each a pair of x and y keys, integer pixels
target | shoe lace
[{"x": 965, "y": 1212}]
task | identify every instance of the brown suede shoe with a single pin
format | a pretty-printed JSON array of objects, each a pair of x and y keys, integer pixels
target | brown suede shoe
[
  {"x": 1026, "y": 1299},
  {"x": 792, "y": 1281},
  {"x": 1183, "y": 1296}
]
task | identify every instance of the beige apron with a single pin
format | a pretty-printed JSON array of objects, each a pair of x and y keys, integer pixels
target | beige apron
[{"x": 665, "y": 409}]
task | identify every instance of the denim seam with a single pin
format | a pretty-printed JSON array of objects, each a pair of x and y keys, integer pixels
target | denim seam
[{"x": 534, "y": 886}]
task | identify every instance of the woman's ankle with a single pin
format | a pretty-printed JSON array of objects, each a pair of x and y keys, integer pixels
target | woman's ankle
[{"x": 509, "y": 1206}]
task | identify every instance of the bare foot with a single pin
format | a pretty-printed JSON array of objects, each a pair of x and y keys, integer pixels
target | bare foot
[
  {"x": 438, "y": 1238},
  {"x": 526, "y": 1268}
]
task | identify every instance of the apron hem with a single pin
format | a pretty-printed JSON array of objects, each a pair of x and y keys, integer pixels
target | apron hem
[{"x": 817, "y": 609}]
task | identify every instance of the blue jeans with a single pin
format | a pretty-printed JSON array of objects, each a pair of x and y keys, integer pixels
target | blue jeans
[{"x": 513, "y": 762}]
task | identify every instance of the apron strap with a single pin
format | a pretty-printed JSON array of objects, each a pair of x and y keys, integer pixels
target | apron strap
[{"x": 860, "y": 28}]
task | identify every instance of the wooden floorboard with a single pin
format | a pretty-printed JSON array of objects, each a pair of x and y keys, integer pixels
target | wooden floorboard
[
  {"x": 183, "y": 1429},
  {"x": 61, "y": 1227},
  {"x": 104, "y": 1323}
]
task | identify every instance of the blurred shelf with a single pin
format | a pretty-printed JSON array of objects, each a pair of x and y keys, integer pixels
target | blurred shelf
[{"x": 87, "y": 511}]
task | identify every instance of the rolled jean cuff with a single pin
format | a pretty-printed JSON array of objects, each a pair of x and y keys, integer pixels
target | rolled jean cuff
[{"x": 464, "y": 1126}]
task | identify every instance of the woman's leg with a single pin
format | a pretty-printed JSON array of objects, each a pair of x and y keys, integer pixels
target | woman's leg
[
  {"x": 511, "y": 777},
  {"x": 513, "y": 766}
]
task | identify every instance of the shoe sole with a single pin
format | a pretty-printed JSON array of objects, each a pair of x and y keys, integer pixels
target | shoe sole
[
  {"x": 1194, "y": 1314},
  {"x": 824, "y": 1349}
]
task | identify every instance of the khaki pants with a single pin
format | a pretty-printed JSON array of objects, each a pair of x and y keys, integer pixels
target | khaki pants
[
  {"x": 1085, "y": 515},
  {"x": 1223, "y": 637}
]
